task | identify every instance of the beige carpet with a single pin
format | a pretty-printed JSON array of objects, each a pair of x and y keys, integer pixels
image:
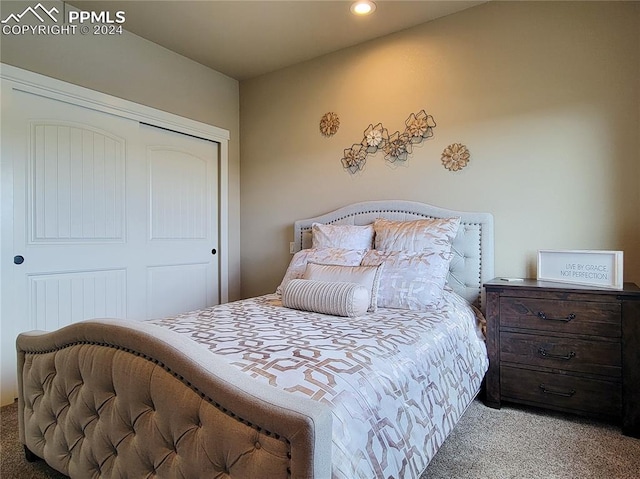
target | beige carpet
[
  {"x": 523, "y": 443},
  {"x": 510, "y": 443}
]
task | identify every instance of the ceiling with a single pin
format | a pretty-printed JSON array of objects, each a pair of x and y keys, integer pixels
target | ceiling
[{"x": 247, "y": 38}]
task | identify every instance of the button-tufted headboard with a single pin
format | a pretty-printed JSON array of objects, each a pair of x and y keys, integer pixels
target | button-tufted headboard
[{"x": 472, "y": 264}]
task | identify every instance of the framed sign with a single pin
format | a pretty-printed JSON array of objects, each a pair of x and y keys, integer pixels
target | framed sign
[{"x": 588, "y": 267}]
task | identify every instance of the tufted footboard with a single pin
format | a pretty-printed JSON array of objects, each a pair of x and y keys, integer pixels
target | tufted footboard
[{"x": 119, "y": 399}]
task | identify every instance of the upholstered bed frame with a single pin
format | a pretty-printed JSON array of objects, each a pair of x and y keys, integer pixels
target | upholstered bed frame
[
  {"x": 472, "y": 264},
  {"x": 114, "y": 398}
]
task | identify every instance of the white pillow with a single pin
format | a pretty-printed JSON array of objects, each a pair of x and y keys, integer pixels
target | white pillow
[
  {"x": 367, "y": 276},
  {"x": 410, "y": 280},
  {"x": 326, "y": 297},
  {"x": 433, "y": 234},
  {"x": 346, "y": 257},
  {"x": 341, "y": 236}
]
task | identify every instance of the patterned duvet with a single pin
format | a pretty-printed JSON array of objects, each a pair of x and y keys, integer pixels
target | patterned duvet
[{"x": 397, "y": 381}]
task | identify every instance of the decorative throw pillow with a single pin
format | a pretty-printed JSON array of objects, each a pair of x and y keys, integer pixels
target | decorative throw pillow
[
  {"x": 410, "y": 280},
  {"x": 433, "y": 234},
  {"x": 346, "y": 257},
  {"x": 367, "y": 276},
  {"x": 326, "y": 297},
  {"x": 341, "y": 236}
]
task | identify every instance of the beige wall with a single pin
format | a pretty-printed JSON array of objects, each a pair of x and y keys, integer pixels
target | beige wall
[
  {"x": 130, "y": 67},
  {"x": 544, "y": 94}
]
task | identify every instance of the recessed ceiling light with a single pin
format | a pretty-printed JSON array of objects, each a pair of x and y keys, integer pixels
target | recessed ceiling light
[{"x": 363, "y": 7}]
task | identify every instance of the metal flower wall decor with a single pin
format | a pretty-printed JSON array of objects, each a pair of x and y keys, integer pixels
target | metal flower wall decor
[{"x": 396, "y": 147}]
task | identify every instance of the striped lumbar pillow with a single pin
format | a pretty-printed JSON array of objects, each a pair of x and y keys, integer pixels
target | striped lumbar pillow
[{"x": 327, "y": 297}]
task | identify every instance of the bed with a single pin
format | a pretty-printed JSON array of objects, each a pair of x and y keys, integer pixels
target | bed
[{"x": 262, "y": 388}]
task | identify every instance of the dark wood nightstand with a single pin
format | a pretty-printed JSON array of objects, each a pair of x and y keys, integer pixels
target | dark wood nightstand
[{"x": 565, "y": 347}]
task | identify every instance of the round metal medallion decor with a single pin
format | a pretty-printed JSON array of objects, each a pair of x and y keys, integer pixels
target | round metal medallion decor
[
  {"x": 329, "y": 124},
  {"x": 455, "y": 157}
]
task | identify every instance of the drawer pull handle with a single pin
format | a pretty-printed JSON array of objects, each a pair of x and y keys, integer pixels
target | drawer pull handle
[
  {"x": 543, "y": 352},
  {"x": 566, "y": 394},
  {"x": 571, "y": 316}
]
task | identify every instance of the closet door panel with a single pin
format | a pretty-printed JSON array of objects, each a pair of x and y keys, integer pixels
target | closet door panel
[
  {"x": 77, "y": 182},
  {"x": 182, "y": 269}
]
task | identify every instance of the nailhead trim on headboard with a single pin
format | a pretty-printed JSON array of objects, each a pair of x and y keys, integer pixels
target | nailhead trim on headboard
[{"x": 482, "y": 223}]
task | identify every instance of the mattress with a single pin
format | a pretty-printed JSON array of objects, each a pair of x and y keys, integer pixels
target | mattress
[{"x": 397, "y": 381}]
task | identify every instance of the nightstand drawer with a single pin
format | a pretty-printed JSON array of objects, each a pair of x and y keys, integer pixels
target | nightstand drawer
[
  {"x": 578, "y": 317},
  {"x": 561, "y": 391},
  {"x": 569, "y": 354}
]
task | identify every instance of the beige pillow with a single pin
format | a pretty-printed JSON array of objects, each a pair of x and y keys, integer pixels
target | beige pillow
[
  {"x": 299, "y": 261},
  {"x": 368, "y": 276},
  {"x": 410, "y": 280},
  {"x": 432, "y": 234},
  {"x": 341, "y": 236},
  {"x": 326, "y": 297}
]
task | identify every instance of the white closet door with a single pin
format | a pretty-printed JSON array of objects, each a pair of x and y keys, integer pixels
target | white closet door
[
  {"x": 111, "y": 218},
  {"x": 69, "y": 212},
  {"x": 180, "y": 256}
]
